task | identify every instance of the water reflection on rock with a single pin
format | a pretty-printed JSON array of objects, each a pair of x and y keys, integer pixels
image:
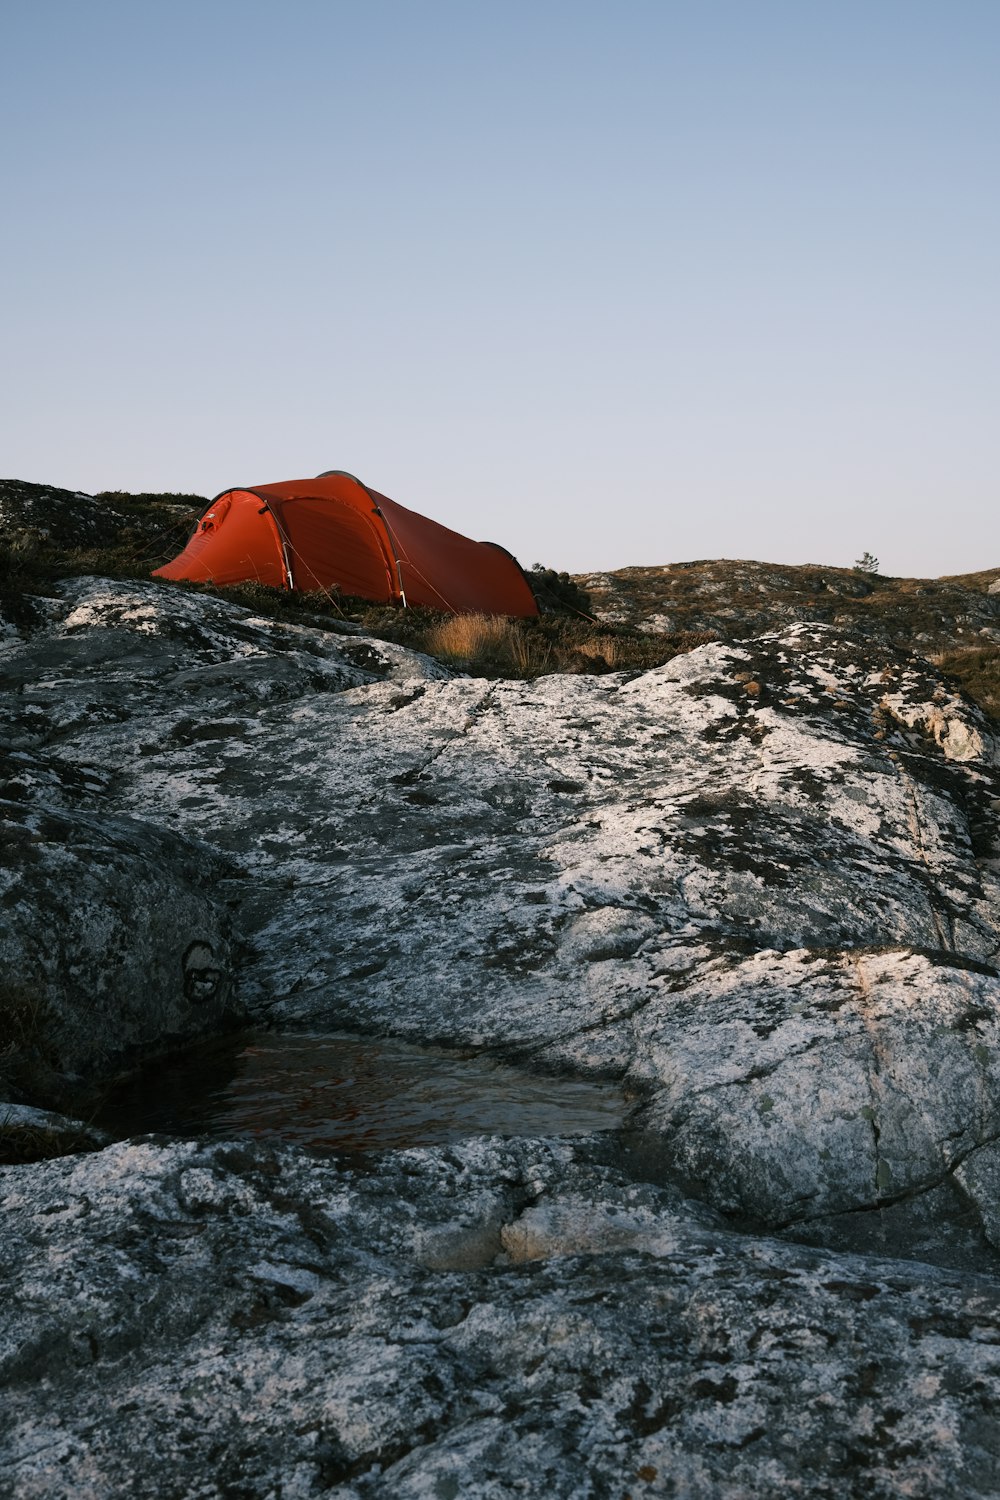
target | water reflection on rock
[{"x": 340, "y": 1093}]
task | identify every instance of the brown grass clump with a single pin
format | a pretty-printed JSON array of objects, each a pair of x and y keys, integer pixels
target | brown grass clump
[
  {"x": 488, "y": 646},
  {"x": 466, "y": 636},
  {"x": 608, "y": 649},
  {"x": 489, "y": 640}
]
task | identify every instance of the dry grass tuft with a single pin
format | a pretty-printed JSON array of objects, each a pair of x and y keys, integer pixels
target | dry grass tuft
[
  {"x": 488, "y": 641},
  {"x": 497, "y": 647},
  {"x": 467, "y": 636},
  {"x": 603, "y": 648}
]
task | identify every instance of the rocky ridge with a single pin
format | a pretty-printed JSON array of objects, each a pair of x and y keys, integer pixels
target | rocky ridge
[
  {"x": 736, "y": 599},
  {"x": 759, "y": 887}
]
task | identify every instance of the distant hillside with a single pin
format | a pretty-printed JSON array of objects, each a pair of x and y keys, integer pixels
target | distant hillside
[
  {"x": 954, "y": 621},
  {"x": 644, "y": 616}
]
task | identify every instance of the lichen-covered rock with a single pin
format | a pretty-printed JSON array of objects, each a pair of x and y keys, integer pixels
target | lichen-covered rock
[
  {"x": 68, "y": 518},
  {"x": 113, "y": 945},
  {"x": 760, "y": 886},
  {"x": 737, "y": 599},
  {"x": 116, "y": 940},
  {"x": 186, "y": 1321},
  {"x": 761, "y": 883},
  {"x": 792, "y": 1086}
]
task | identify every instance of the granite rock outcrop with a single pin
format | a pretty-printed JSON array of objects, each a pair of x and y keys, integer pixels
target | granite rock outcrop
[
  {"x": 758, "y": 887},
  {"x": 496, "y": 1319}
]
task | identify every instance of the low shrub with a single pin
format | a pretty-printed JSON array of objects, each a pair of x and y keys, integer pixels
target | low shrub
[
  {"x": 147, "y": 531},
  {"x": 977, "y": 670},
  {"x": 150, "y": 500},
  {"x": 558, "y": 593}
]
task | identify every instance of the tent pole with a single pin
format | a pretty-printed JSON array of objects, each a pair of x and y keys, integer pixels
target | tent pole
[
  {"x": 392, "y": 544},
  {"x": 279, "y": 526}
]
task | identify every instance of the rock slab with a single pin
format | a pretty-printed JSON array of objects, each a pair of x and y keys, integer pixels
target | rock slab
[
  {"x": 759, "y": 887},
  {"x": 499, "y": 1319}
]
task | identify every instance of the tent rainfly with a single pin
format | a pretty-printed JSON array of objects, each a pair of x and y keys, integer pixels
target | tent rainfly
[{"x": 334, "y": 532}]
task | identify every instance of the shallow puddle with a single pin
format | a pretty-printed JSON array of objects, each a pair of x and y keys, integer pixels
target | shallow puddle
[{"x": 339, "y": 1093}]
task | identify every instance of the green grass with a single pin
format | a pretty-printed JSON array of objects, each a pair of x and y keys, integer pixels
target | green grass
[{"x": 152, "y": 530}]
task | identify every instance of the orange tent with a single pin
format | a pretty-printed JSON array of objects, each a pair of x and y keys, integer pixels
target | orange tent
[{"x": 335, "y": 533}]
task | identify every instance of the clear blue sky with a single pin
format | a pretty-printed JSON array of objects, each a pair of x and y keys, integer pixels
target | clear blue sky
[{"x": 608, "y": 283}]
